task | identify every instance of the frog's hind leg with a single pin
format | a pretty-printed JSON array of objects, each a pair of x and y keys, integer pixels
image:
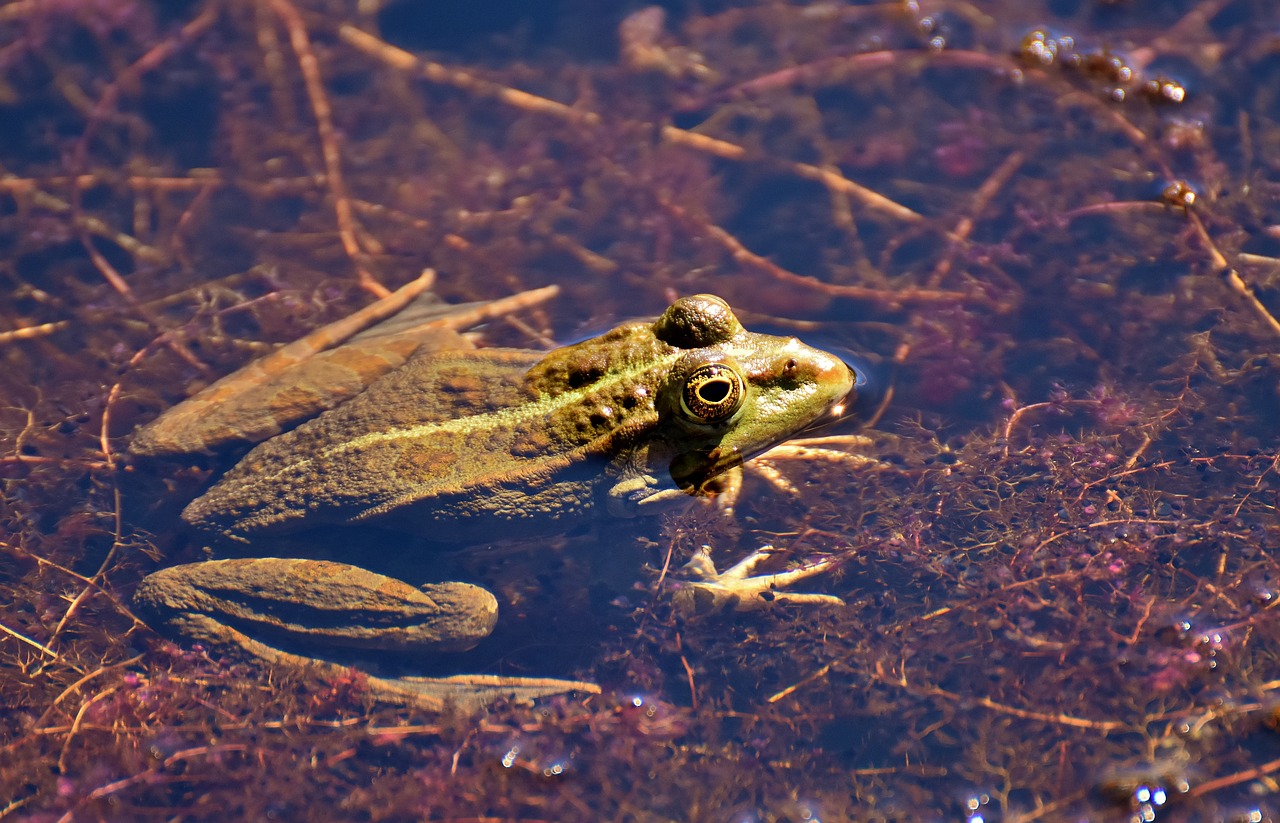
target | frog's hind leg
[{"x": 249, "y": 605}]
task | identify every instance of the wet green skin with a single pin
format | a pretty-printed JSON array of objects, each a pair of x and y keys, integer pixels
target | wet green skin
[{"x": 464, "y": 444}]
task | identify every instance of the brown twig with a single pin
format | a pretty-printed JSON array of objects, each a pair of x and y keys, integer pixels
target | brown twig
[
  {"x": 320, "y": 108},
  {"x": 1232, "y": 277},
  {"x": 33, "y": 332},
  {"x": 981, "y": 199},
  {"x": 151, "y": 774},
  {"x": 1054, "y": 718},
  {"x": 86, "y": 223},
  {"x": 1270, "y": 767},
  {"x": 890, "y": 298},
  {"x": 437, "y": 73}
]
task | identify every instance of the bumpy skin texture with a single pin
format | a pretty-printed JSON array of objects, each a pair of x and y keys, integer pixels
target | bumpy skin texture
[{"x": 457, "y": 439}]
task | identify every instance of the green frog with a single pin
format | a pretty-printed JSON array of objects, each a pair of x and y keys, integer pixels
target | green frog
[{"x": 463, "y": 444}]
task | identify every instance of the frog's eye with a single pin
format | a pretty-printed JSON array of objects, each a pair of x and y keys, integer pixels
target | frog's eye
[{"x": 712, "y": 393}]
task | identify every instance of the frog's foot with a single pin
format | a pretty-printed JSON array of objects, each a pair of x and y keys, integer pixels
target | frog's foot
[
  {"x": 737, "y": 589},
  {"x": 470, "y": 692},
  {"x": 464, "y": 692},
  {"x": 238, "y": 605},
  {"x": 837, "y": 449}
]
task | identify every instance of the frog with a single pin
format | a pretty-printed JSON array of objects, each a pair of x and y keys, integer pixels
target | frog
[{"x": 464, "y": 444}]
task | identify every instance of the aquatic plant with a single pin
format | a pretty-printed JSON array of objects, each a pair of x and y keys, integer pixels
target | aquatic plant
[{"x": 1052, "y": 226}]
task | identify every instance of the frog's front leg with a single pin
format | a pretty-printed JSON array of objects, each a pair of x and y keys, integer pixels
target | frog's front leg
[
  {"x": 253, "y": 605},
  {"x": 737, "y": 589}
]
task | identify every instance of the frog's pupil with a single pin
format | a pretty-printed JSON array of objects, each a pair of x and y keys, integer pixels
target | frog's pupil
[
  {"x": 712, "y": 393},
  {"x": 715, "y": 391}
]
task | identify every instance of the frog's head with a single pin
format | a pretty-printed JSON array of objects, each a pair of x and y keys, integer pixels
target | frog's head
[{"x": 733, "y": 394}]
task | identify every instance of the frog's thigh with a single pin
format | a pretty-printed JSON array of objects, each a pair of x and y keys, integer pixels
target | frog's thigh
[{"x": 315, "y": 602}]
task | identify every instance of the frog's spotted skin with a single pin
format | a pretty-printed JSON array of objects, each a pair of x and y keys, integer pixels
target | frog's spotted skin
[{"x": 460, "y": 444}]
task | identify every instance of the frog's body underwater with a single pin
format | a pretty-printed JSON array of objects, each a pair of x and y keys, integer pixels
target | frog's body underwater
[{"x": 461, "y": 444}]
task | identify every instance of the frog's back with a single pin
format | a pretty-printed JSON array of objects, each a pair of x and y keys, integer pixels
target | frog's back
[
  {"x": 458, "y": 444},
  {"x": 450, "y": 439}
]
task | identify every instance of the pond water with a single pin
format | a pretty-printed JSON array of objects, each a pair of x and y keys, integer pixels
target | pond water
[{"x": 1048, "y": 232}]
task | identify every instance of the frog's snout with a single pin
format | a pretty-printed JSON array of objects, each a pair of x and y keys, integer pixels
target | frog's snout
[
  {"x": 838, "y": 373},
  {"x": 837, "y": 377},
  {"x": 849, "y": 400},
  {"x": 836, "y": 382}
]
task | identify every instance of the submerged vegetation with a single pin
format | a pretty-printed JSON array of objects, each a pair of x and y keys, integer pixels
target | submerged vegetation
[{"x": 1054, "y": 227}]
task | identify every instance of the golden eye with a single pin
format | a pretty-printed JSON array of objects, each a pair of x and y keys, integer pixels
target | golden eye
[{"x": 712, "y": 393}]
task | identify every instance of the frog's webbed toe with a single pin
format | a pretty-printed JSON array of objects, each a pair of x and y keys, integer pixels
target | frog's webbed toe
[
  {"x": 471, "y": 692},
  {"x": 737, "y": 589}
]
